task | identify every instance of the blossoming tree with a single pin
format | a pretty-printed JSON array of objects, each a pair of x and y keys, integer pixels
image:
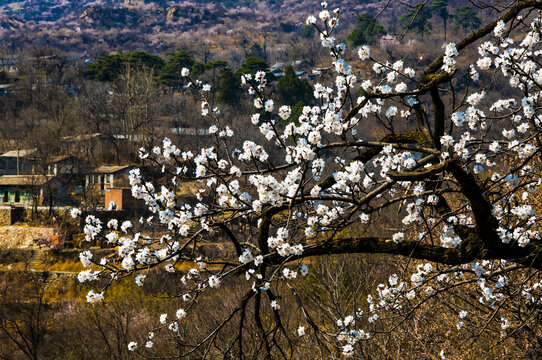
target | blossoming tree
[{"x": 458, "y": 165}]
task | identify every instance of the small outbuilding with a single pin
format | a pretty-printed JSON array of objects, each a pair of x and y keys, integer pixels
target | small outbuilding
[{"x": 121, "y": 199}]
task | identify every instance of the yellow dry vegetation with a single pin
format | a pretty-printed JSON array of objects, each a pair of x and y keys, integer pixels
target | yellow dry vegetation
[
  {"x": 188, "y": 188},
  {"x": 66, "y": 266}
]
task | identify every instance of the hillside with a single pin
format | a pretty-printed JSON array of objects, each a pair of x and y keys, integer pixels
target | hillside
[{"x": 76, "y": 25}]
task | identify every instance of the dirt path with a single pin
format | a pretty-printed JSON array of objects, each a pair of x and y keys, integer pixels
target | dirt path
[{"x": 24, "y": 237}]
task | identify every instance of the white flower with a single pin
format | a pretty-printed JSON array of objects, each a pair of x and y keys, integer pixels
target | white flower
[
  {"x": 494, "y": 146},
  {"x": 451, "y": 50},
  {"x": 364, "y": 52},
  {"x": 173, "y": 327},
  {"x": 275, "y": 305},
  {"x": 463, "y": 314},
  {"x": 324, "y": 15},
  {"x": 310, "y": 20},
  {"x": 398, "y": 237},
  {"x": 484, "y": 63},
  {"x": 449, "y": 60},
  {"x": 75, "y": 212},
  {"x": 459, "y": 325},
  {"x": 163, "y": 319},
  {"x": 301, "y": 331},
  {"x": 348, "y": 350},
  {"x": 473, "y": 73},
  {"x": 246, "y": 256},
  {"x": 398, "y": 65},
  {"x": 284, "y": 112},
  {"x": 132, "y": 346},
  {"x": 391, "y": 112},
  {"x": 401, "y": 87},
  {"x": 377, "y": 68},
  {"x": 113, "y": 224},
  {"x": 258, "y": 260},
  {"x": 214, "y": 281},
  {"x": 180, "y": 313},
  {"x": 93, "y": 297},
  {"x": 289, "y": 274},
  {"x": 125, "y": 226},
  {"x": 499, "y": 28},
  {"x": 474, "y": 99},
  {"x": 85, "y": 258},
  {"x": 139, "y": 279},
  {"x": 447, "y": 140},
  {"x": 185, "y": 72},
  {"x": 269, "y": 105}
]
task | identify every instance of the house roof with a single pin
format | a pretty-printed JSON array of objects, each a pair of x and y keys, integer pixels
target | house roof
[
  {"x": 109, "y": 169},
  {"x": 26, "y": 180},
  {"x": 19, "y": 153},
  {"x": 190, "y": 131},
  {"x": 60, "y": 158},
  {"x": 82, "y": 137}
]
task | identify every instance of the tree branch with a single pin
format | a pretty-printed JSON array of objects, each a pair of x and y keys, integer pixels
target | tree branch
[{"x": 471, "y": 249}]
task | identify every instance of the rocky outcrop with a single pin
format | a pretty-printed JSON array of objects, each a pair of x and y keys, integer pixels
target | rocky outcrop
[{"x": 171, "y": 14}]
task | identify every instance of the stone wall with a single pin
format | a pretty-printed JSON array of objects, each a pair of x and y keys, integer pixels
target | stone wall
[
  {"x": 62, "y": 215},
  {"x": 5, "y": 215}
]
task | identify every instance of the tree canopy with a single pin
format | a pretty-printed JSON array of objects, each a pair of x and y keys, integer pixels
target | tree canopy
[
  {"x": 228, "y": 87},
  {"x": 292, "y": 89},
  {"x": 253, "y": 64},
  {"x": 367, "y": 30},
  {"x": 466, "y": 18},
  {"x": 109, "y": 67},
  {"x": 446, "y": 194},
  {"x": 171, "y": 75},
  {"x": 417, "y": 20},
  {"x": 440, "y": 8}
]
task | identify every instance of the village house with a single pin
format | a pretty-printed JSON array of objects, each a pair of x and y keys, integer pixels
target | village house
[
  {"x": 103, "y": 178},
  {"x": 64, "y": 166},
  {"x": 107, "y": 176},
  {"x": 17, "y": 162},
  {"x": 32, "y": 190}
]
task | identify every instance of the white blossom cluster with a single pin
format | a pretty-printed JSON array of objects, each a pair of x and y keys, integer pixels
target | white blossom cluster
[{"x": 493, "y": 141}]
